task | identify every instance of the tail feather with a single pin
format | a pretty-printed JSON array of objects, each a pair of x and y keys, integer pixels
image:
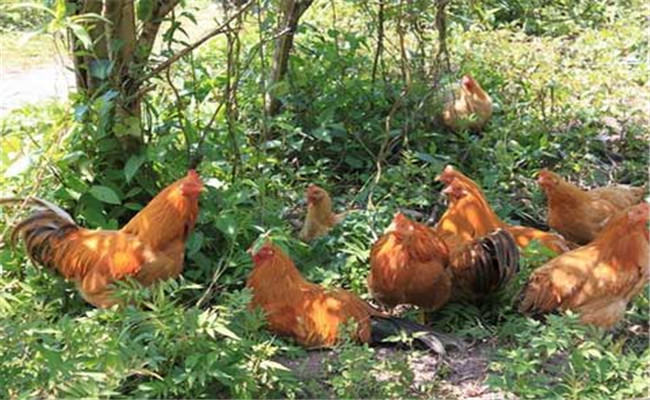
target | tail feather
[
  {"x": 41, "y": 229},
  {"x": 383, "y": 327},
  {"x": 39, "y": 202},
  {"x": 485, "y": 265}
]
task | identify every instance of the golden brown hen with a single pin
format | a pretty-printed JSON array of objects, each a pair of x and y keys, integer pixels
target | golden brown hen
[
  {"x": 468, "y": 216},
  {"x": 597, "y": 280},
  {"x": 579, "y": 214},
  {"x": 149, "y": 248},
  {"x": 470, "y": 108},
  {"x": 320, "y": 218},
  {"x": 411, "y": 264},
  {"x": 471, "y": 215},
  {"x": 315, "y": 316}
]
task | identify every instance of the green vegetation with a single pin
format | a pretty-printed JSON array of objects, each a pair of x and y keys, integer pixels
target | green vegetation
[{"x": 570, "y": 87}]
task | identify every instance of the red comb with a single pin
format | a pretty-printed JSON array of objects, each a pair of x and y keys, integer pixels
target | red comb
[
  {"x": 192, "y": 174},
  {"x": 193, "y": 177}
]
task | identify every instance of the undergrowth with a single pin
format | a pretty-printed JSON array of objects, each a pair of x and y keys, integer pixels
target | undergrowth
[{"x": 570, "y": 96}]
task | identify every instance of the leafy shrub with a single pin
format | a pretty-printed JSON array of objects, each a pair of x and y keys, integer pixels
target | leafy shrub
[{"x": 569, "y": 95}]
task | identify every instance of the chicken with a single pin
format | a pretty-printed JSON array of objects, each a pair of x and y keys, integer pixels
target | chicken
[
  {"x": 470, "y": 108},
  {"x": 149, "y": 248},
  {"x": 467, "y": 217},
  {"x": 597, "y": 280},
  {"x": 320, "y": 218},
  {"x": 315, "y": 316},
  {"x": 411, "y": 264},
  {"x": 471, "y": 216},
  {"x": 620, "y": 195},
  {"x": 578, "y": 214}
]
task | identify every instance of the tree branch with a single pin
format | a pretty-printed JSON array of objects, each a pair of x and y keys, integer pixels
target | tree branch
[
  {"x": 218, "y": 30},
  {"x": 380, "y": 40},
  {"x": 150, "y": 30}
]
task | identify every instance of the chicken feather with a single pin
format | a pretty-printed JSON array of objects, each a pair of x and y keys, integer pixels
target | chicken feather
[
  {"x": 597, "y": 280},
  {"x": 315, "y": 316},
  {"x": 149, "y": 248}
]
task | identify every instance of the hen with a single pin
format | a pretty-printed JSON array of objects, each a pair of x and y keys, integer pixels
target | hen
[
  {"x": 597, "y": 280},
  {"x": 578, "y": 214},
  {"x": 320, "y": 218},
  {"x": 149, "y": 248},
  {"x": 411, "y": 264},
  {"x": 470, "y": 215},
  {"x": 315, "y": 316},
  {"x": 470, "y": 108}
]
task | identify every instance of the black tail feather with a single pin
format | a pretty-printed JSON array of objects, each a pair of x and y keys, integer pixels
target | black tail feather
[
  {"x": 485, "y": 265},
  {"x": 383, "y": 328}
]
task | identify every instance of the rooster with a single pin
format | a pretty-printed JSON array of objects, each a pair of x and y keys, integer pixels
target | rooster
[
  {"x": 320, "y": 218},
  {"x": 315, "y": 316},
  {"x": 149, "y": 248},
  {"x": 411, "y": 264},
  {"x": 578, "y": 214},
  {"x": 597, "y": 280},
  {"x": 470, "y": 108},
  {"x": 470, "y": 215}
]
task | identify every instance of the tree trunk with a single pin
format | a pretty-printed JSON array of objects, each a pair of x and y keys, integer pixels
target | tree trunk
[
  {"x": 117, "y": 60},
  {"x": 292, "y": 10}
]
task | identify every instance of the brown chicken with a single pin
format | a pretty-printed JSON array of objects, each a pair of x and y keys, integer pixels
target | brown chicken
[
  {"x": 149, "y": 248},
  {"x": 470, "y": 108},
  {"x": 579, "y": 214},
  {"x": 411, "y": 264},
  {"x": 320, "y": 218},
  {"x": 597, "y": 280},
  {"x": 315, "y": 316},
  {"x": 470, "y": 215}
]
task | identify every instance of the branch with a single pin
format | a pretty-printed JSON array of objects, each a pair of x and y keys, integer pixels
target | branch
[
  {"x": 220, "y": 29},
  {"x": 182, "y": 122},
  {"x": 380, "y": 40},
  {"x": 150, "y": 30}
]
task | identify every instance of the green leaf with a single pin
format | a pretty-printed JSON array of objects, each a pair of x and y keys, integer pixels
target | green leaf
[
  {"x": 82, "y": 34},
  {"x": 133, "y": 206},
  {"x": 222, "y": 330},
  {"x": 101, "y": 69},
  {"x": 426, "y": 158},
  {"x": 144, "y": 10},
  {"x": 322, "y": 134},
  {"x": 227, "y": 224},
  {"x": 132, "y": 166},
  {"x": 194, "y": 243},
  {"x": 104, "y": 194}
]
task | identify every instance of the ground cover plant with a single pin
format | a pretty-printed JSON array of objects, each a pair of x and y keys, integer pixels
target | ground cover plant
[{"x": 356, "y": 114}]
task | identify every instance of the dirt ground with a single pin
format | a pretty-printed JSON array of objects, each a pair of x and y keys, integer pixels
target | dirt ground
[
  {"x": 460, "y": 374},
  {"x": 20, "y": 86}
]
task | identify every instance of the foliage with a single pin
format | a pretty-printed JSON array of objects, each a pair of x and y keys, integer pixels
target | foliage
[
  {"x": 570, "y": 91},
  {"x": 18, "y": 15}
]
